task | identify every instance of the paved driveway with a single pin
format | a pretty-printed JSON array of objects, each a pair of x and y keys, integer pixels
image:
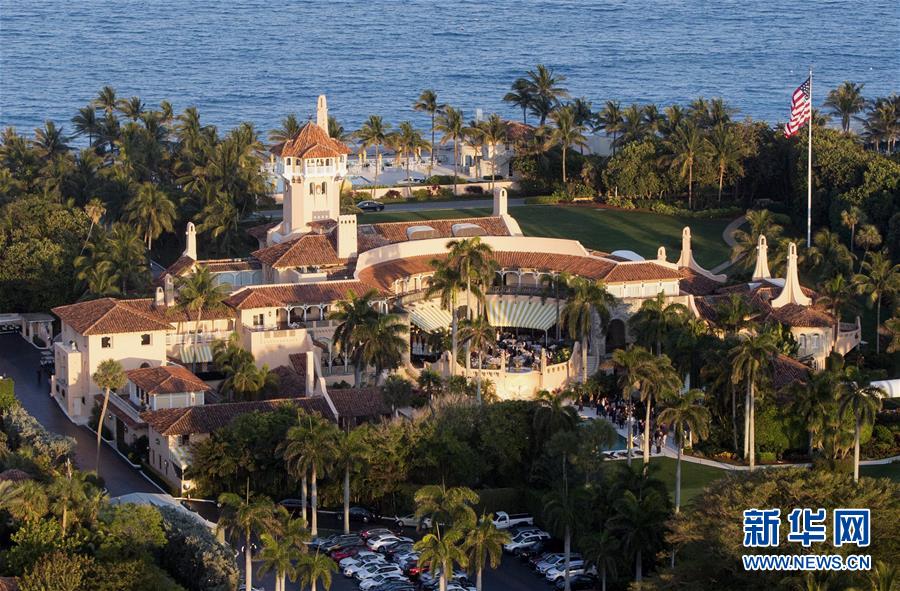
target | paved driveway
[{"x": 19, "y": 360}]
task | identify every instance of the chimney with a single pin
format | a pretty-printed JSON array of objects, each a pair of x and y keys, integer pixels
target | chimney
[
  {"x": 169, "y": 290},
  {"x": 190, "y": 249},
  {"x": 322, "y": 113},
  {"x": 500, "y": 206},
  {"x": 687, "y": 257},
  {"x": 346, "y": 236},
  {"x": 310, "y": 362},
  {"x": 160, "y": 300},
  {"x": 661, "y": 254},
  {"x": 791, "y": 293},
  {"x": 761, "y": 271}
]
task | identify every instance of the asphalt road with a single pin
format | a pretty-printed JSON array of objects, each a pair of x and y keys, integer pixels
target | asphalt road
[
  {"x": 424, "y": 206},
  {"x": 20, "y": 361}
]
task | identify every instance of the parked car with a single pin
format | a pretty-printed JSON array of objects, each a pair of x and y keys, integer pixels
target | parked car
[
  {"x": 412, "y": 521},
  {"x": 382, "y": 542},
  {"x": 345, "y": 541},
  {"x": 373, "y": 531},
  {"x": 503, "y": 520},
  {"x": 526, "y": 553},
  {"x": 554, "y": 560},
  {"x": 578, "y": 582},
  {"x": 361, "y": 514},
  {"x": 292, "y": 504},
  {"x": 524, "y": 541},
  {"x": 352, "y": 569},
  {"x": 370, "y": 206},
  {"x": 373, "y": 570},
  {"x": 555, "y": 573},
  {"x": 380, "y": 579}
]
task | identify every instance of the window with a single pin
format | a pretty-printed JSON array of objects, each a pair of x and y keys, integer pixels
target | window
[
  {"x": 288, "y": 161},
  {"x": 145, "y": 339},
  {"x": 324, "y": 187},
  {"x": 184, "y": 439},
  {"x": 312, "y": 188},
  {"x": 257, "y": 320},
  {"x": 106, "y": 342}
]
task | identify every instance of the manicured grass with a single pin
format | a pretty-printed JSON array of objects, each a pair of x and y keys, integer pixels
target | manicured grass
[
  {"x": 600, "y": 229},
  {"x": 694, "y": 477},
  {"x": 891, "y": 471}
]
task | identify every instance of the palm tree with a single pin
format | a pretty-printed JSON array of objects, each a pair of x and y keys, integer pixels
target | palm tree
[
  {"x": 447, "y": 506},
  {"x": 882, "y": 578},
  {"x": 567, "y": 132},
  {"x": 85, "y": 122},
  {"x": 441, "y": 553},
  {"x": 290, "y": 129},
  {"x": 850, "y": 218},
  {"x": 351, "y": 314},
  {"x": 762, "y": 223},
  {"x": 106, "y": 100},
  {"x": 25, "y": 501},
  {"x": 67, "y": 493},
  {"x": 882, "y": 124},
  {"x": 108, "y": 377},
  {"x": 685, "y": 414},
  {"x": 846, "y": 101},
  {"x": 837, "y": 294},
  {"x": 132, "y": 108},
  {"x": 610, "y": 120},
  {"x": 475, "y": 139},
  {"x": 309, "y": 446},
  {"x": 313, "y": 568},
  {"x": 602, "y": 551},
  {"x": 50, "y": 140},
  {"x": 245, "y": 516},
  {"x": 336, "y": 130},
  {"x": 153, "y": 209},
  {"x": 198, "y": 292},
  {"x": 868, "y": 238},
  {"x": 563, "y": 512},
  {"x": 374, "y": 132},
  {"x": 638, "y": 372},
  {"x": 751, "y": 359},
  {"x": 493, "y": 133},
  {"x": 471, "y": 258},
  {"x": 245, "y": 381},
  {"x": 478, "y": 334},
  {"x": 520, "y": 96},
  {"x": 484, "y": 543},
  {"x": 278, "y": 554},
  {"x": 409, "y": 141},
  {"x": 724, "y": 150},
  {"x": 685, "y": 146},
  {"x": 863, "y": 400},
  {"x": 879, "y": 278},
  {"x": 587, "y": 297},
  {"x": 451, "y": 124},
  {"x": 350, "y": 451},
  {"x": 634, "y": 126},
  {"x": 428, "y": 103},
  {"x": 447, "y": 282},
  {"x": 381, "y": 343},
  {"x": 655, "y": 319},
  {"x": 95, "y": 212},
  {"x": 637, "y": 523},
  {"x": 546, "y": 89},
  {"x": 829, "y": 254},
  {"x": 553, "y": 414}
]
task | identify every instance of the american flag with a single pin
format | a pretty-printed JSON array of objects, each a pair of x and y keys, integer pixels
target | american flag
[{"x": 800, "y": 109}]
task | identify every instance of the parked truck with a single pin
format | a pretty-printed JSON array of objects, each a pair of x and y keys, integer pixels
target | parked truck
[{"x": 503, "y": 520}]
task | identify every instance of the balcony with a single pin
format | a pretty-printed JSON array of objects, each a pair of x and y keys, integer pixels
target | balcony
[{"x": 205, "y": 337}]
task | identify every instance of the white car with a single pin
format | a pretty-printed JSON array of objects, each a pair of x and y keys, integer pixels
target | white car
[
  {"x": 377, "y": 580},
  {"x": 354, "y": 568},
  {"x": 524, "y": 540},
  {"x": 386, "y": 541},
  {"x": 504, "y": 520},
  {"x": 553, "y": 560},
  {"x": 412, "y": 521},
  {"x": 576, "y": 567},
  {"x": 359, "y": 558},
  {"x": 375, "y": 569}
]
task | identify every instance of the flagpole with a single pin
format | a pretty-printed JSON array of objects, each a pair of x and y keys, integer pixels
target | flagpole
[{"x": 809, "y": 167}]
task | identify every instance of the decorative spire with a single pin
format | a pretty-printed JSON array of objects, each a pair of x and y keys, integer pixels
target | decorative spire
[
  {"x": 500, "y": 201},
  {"x": 686, "y": 260},
  {"x": 190, "y": 249},
  {"x": 322, "y": 113},
  {"x": 791, "y": 293},
  {"x": 661, "y": 254},
  {"x": 761, "y": 271}
]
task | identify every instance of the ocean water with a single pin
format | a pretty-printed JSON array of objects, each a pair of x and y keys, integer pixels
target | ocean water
[{"x": 257, "y": 60}]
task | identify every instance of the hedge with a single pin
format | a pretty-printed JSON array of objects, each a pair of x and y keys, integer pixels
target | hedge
[
  {"x": 24, "y": 430},
  {"x": 193, "y": 555}
]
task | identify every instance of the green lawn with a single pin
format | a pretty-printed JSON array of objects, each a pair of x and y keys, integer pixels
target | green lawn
[
  {"x": 694, "y": 477},
  {"x": 891, "y": 471},
  {"x": 600, "y": 229}
]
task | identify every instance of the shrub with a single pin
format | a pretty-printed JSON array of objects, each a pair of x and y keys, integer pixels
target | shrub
[
  {"x": 658, "y": 206},
  {"x": 193, "y": 556},
  {"x": 581, "y": 190},
  {"x": 562, "y": 195},
  {"x": 475, "y": 189},
  {"x": 445, "y": 193},
  {"x": 621, "y": 202},
  {"x": 439, "y": 179},
  {"x": 767, "y": 457},
  {"x": 59, "y": 572},
  {"x": 24, "y": 430},
  {"x": 7, "y": 394},
  {"x": 421, "y": 194},
  {"x": 542, "y": 200},
  {"x": 392, "y": 194}
]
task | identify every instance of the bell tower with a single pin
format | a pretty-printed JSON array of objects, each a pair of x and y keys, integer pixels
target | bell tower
[{"x": 322, "y": 113}]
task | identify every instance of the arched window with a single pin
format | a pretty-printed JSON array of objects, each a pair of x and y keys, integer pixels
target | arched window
[
  {"x": 802, "y": 342},
  {"x": 324, "y": 188},
  {"x": 288, "y": 161},
  {"x": 312, "y": 188}
]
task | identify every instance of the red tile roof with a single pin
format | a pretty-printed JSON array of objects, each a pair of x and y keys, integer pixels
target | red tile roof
[
  {"x": 311, "y": 142},
  {"x": 358, "y": 402},
  {"x": 696, "y": 284},
  {"x": 14, "y": 475},
  {"x": 111, "y": 316},
  {"x": 291, "y": 384},
  {"x": 371, "y": 236},
  {"x": 225, "y": 265},
  {"x": 306, "y": 250},
  {"x": 210, "y": 417},
  {"x": 166, "y": 379},
  {"x": 787, "y": 371},
  {"x": 120, "y": 413},
  {"x": 267, "y": 296},
  {"x": 259, "y": 232},
  {"x": 180, "y": 267}
]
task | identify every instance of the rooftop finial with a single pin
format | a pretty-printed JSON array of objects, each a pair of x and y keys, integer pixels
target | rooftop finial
[
  {"x": 791, "y": 293},
  {"x": 322, "y": 113},
  {"x": 761, "y": 271}
]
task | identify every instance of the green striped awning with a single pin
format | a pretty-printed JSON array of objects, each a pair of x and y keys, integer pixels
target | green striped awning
[
  {"x": 182, "y": 456},
  {"x": 523, "y": 313},
  {"x": 196, "y": 353},
  {"x": 429, "y": 316}
]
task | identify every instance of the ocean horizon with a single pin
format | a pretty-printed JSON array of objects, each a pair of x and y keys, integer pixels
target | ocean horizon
[{"x": 258, "y": 61}]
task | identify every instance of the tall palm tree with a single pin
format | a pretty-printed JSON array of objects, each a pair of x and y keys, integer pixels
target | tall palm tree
[
  {"x": 846, "y": 101},
  {"x": 290, "y": 129},
  {"x": 350, "y": 452},
  {"x": 882, "y": 123},
  {"x": 634, "y": 125},
  {"x": 586, "y": 298},
  {"x": 493, "y": 132},
  {"x": 478, "y": 334},
  {"x": 278, "y": 554},
  {"x": 132, "y": 108},
  {"x": 381, "y": 343},
  {"x": 471, "y": 257},
  {"x": 196, "y": 293},
  {"x": 313, "y": 568},
  {"x": 520, "y": 96},
  {"x": 850, "y": 218},
  {"x": 409, "y": 141},
  {"x": 25, "y": 501},
  {"x": 336, "y": 130},
  {"x": 685, "y": 146},
  {"x": 685, "y": 414},
  {"x": 310, "y": 445},
  {"x": 245, "y": 516},
  {"x": 663, "y": 384},
  {"x": 475, "y": 138},
  {"x": 152, "y": 209},
  {"x": 761, "y": 222},
  {"x": 67, "y": 493},
  {"x": 724, "y": 151},
  {"x": 553, "y": 415},
  {"x": 451, "y": 124},
  {"x": 636, "y": 523},
  {"x": 610, "y": 120},
  {"x": 428, "y": 103},
  {"x": 601, "y": 550},
  {"x": 638, "y": 372},
  {"x": 567, "y": 132},
  {"x": 858, "y": 396},
  {"x": 563, "y": 512},
  {"x": 447, "y": 506},
  {"x": 751, "y": 361},
  {"x": 867, "y": 238},
  {"x": 95, "y": 211},
  {"x": 448, "y": 282},
  {"x": 879, "y": 278},
  {"x": 441, "y": 551},
  {"x": 546, "y": 89},
  {"x": 484, "y": 544},
  {"x": 829, "y": 254},
  {"x": 351, "y": 314},
  {"x": 836, "y": 293},
  {"x": 106, "y": 100},
  {"x": 86, "y": 123},
  {"x": 108, "y": 377},
  {"x": 245, "y": 381},
  {"x": 655, "y": 319},
  {"x": 374, "y": 132},
  {"x": 50, "y": 140}
]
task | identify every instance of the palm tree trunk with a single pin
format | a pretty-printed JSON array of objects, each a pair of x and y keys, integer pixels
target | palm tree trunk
[
  {"x": 313, "y": 502},
  {"x": 556, "y": 289},
  {"x": 377, "y": 164},
  {"x": 564, "y": 164},
  {"x": 629, "y": 440},
  {"x": 453, "y": 337},
  {"x": 409, "y": 183},
  {"x": 567, "y": 550},
  {"x": 478, "y": 380},
  {"x": 478, "y": 578},
  {"x": 431, "y": 168},
  {"x": 493, "y": 167},
  {"x": 455, "y": 164},
  {"x": 691, "y": 185},
  {"x": 752, "y": 444},
  {"x": 877, "y": 324},
  {"x": 734, "y": 417},
  {"x": 747, "y": 421},
  {"x": 88, "y": 239},
  {"x": 603, "y": 577},
  {"x": 584, "y": 360},
  {"x": 721, "y": 179},
  {"x": 196, "y": 339},
  {"x": 638, "y": 568},
  {"x": 100, "y": 427},
  {"x": 303, "y": 487},
  {"x": 856, "y": 448},
  {"x": 65, "y": 518},
  {"x": 347, "y": 499},
  {"x": 312, "y": 585},
  {"x": 647, "y": 436},
  {"x": 678, "y": 479},
  {"x": 248, "y": 560}
]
